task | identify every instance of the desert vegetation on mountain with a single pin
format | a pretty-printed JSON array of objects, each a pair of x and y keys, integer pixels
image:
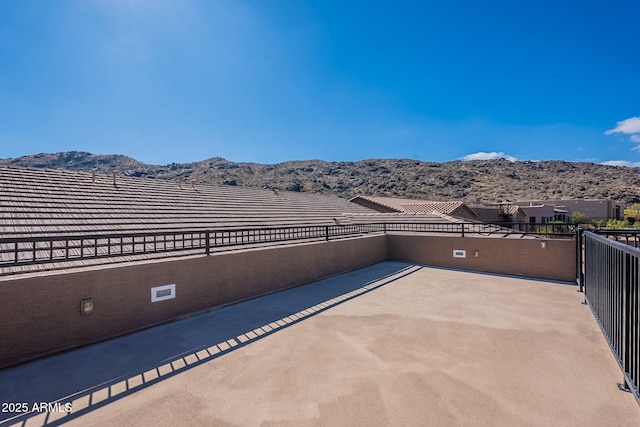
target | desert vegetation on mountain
[{"x": 480, "y": 181}]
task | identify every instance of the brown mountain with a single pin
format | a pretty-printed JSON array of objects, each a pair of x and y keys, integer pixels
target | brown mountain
[{"x": 473, "y": 181}]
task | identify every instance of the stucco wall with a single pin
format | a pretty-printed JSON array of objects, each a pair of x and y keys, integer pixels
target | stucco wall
[
  {"x": 556, "y": 261},
  {"x": 41, "y": 314}
]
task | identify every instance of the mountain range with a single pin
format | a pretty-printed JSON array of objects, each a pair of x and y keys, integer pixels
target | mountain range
[{"x": 478, "y": 181}]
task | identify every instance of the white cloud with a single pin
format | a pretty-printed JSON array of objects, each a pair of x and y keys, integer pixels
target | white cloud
[
  {"x": 481, "y": 155},
  {"x": 628, "y": 126},
  {"x": 622, "y": 163}
]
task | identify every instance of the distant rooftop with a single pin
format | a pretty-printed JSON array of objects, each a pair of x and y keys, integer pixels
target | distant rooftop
[
  {"x": 456, "y": 208},
  {"x": 37, "y": 202}
]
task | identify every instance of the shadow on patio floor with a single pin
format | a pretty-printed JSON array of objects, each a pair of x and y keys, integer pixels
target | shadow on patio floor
[{"x": 90, "y": 377}]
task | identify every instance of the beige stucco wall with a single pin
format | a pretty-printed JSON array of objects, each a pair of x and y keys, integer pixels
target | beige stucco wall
[
  {"x": 556, "y": 261},
  {"x": 41, "y": 314}
]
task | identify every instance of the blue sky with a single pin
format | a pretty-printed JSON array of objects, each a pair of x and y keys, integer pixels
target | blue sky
[{"x": 267, "y": 81}]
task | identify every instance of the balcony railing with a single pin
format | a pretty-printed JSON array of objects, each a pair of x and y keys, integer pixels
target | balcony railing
[
  {"x": 609, "y": 274},
  {"x": 629, "y": 237},
  {"x": 546, "y": 228},
  {"x": 34, "y": 250}
]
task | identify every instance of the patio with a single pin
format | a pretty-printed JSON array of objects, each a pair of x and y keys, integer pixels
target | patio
[{"x": 391, "y": 344}]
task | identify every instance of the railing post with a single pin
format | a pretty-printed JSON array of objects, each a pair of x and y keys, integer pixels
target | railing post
[
  {"x": 462, "y": 229},
  {"x": 207, "y": 251},
  {"x": 326, "y": 232},
  {"x": 627, "y": 317},
  {"x": 579, "y": 274},
  {"x": 384, "y": 227}
]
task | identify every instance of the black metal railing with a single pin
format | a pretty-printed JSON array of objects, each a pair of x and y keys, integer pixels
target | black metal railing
[
  {"x": 541, "y": 228},
  {"x": 33, "y": 250},
  {"x": 629, "y": 237},
  {"x": 610, "y": 279},
  {"x": 247, "y": 236}
]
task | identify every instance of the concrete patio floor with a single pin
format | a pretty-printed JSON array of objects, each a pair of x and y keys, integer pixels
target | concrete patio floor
[{"x": 392, "y": 344}]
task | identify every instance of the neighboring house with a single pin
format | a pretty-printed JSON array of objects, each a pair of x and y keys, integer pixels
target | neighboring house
[
  {"x": 594, "y": 209},
  {"x": 562, "y": 214},
  {"x": 391, "y": 204},
  {"x": 497, "y": 213},
  {"x": 519, "y": 212},
  {"x": 538, "y": 213}
]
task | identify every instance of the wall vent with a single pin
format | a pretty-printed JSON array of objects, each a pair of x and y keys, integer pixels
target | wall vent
[
  {"x": 459, "y": 253},
  {"x": 161, "y": 293}
]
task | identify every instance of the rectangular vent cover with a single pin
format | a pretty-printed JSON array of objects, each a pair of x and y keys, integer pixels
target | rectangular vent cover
[
  {"x": 459, "y": 253},
  {"x": 161, "y": 293}
]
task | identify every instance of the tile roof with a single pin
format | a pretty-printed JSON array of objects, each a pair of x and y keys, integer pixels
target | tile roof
[
  {"x": 412, "y": 205},
  {"x": 48, "y": 203},
  {"x": 36, "y": 202}
]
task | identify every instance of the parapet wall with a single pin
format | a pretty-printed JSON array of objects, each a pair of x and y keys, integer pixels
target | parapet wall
[
  {"x": 552, "y": 259},
  {"x": 42, "y": 313}
]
